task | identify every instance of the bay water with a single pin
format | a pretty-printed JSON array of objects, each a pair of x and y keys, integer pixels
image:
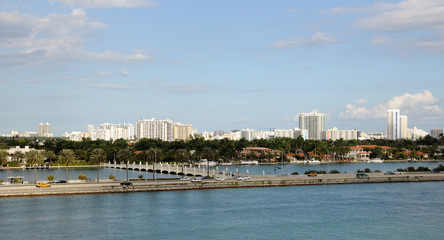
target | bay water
[{"x": 362, "y": 211}]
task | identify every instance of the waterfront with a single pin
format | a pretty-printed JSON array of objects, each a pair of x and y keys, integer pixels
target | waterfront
[
  {"x": 370, "y": 211},
  {"x": 272, "y": 170}
]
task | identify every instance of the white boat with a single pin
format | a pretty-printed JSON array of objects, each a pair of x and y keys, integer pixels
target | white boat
[
  {"x": 205, "y": 162},
  {"x": 249, "y": 163},
  {"x": 376, "y": 160},
  {"x": 312, "y": 161}
]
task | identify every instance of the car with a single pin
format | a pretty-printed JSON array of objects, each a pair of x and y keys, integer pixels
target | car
[
  {"x": 243, "y": 178},
  {"x": 196, "y": 180},
  {"x": 396, "y": 173},
  {"x": 220, "y": 179},
  {"x": 57, "y": 181},
  {"x": 392, "y": 173},
  {"x": 126, "y": 183},
  {"x": 361, "y": 175},
  {"x": 435, "y": 171},
  {"x": 312, "y": 174},
  {"x": 42, "y": 184}
]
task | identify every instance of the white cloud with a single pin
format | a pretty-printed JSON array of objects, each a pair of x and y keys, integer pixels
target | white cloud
[
  {"x": 107, "y": 86},
  {"x": 379, "y": 40},
  {"x": 417, "y": 24},
  {"x": 413, "y": 105},
  {"x": 57, "y": 38},
  {"x": 104, "y": 74},
  {"x": 293, "y": 10},
  {"x": 109, "y": 3},
  {"x": 318, "y": 38},
  {"x": 407, "y": 15},
  {"x": 124, "y": 72},
  {"x": 189, "y": 88}
]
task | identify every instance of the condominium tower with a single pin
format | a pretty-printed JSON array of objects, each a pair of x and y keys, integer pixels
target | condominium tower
[
  {"x": 45, "y": 130},
  {"x": 393, "y": 124},
  {"x": 396, "y": 125},
  {"x": 314, "y": 123},
  {"x": 155, "y": 129}
]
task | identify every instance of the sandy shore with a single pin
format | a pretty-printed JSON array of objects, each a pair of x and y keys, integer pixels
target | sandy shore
[{"x": 13, "y": 190}]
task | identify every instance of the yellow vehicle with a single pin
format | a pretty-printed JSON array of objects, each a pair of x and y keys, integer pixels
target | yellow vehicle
[
  {"x": 312, "y": 174},
  {"x": 42, "y": 184}
]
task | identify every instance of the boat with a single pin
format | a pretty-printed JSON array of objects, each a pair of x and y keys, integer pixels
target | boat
[
  {"x": 376, "y": 160},
  {"x": 249, "y": 162},
  {"x": 205, "y": 162},
  {"x": 312, "y": 161}
]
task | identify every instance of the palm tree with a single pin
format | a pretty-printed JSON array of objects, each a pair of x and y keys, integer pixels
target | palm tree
[
  {"x": 98, "y": 156},
  {"x": 3, "y": 157},
  {"x": 50, "y": 155},
  {"x": 34, "y": 158},
  {"x": 66, "y": 156},
  {"x": 182, "y": 155},
  {"x": 125, "y": 155}
]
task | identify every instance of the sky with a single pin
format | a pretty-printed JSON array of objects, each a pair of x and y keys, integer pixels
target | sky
[{"x": 220, "y": 64}]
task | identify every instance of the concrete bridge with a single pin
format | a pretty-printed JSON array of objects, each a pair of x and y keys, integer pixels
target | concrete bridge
[{"x": 173, "y": 169}]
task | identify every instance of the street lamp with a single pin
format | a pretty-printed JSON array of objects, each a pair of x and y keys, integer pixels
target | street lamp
[{"x": 154, "y": 165}]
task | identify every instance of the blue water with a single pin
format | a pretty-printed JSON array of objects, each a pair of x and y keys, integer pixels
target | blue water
[
  {"x": 370, "y": 211},
  {"x": 91, "y": 173}
]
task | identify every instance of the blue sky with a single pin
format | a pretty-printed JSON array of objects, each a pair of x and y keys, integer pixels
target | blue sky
[{"x": 220, "y": 64}]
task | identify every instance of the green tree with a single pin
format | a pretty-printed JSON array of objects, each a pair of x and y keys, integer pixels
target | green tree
[
  {"x": 51, "y": 156},
  {"x": 34, "y": 158},
  {"x": 125, "y": 155},
  {"x": 66, "y": 156},
  {"x": 98, "y": 156},
  {"x": 3, "y": 157}
]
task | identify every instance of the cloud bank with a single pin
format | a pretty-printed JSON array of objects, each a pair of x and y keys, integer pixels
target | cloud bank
[
  {"x": 56, "y": 38},
  {"x": 318, "y": 38},
  {"x": 412, "y": 105},
  {"x": 109, "y": 3}
]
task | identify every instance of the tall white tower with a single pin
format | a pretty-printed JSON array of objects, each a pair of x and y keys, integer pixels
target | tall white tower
[
  {"x": 314, "y": 123},
  {"x": 393, "y": 128},
  {"x": 403, "y": 127}
]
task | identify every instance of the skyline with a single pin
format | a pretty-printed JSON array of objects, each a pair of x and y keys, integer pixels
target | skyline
[{"x": 220, "y": 65}]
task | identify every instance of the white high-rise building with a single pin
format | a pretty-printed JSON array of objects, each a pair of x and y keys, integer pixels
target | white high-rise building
[
  {"x": 45, "y": 130},
  {"x": 248, "y": 134},
  {"x": 403, "y": 126},
  {"x": 335, "y": 134},
  {"x": 155, "y": 129},
  {"x": 393, "y": 130},
  {"x": 109, "y": 131},
  {"x": 182, "y": 131},
  {"x": 314, "y": 123}
]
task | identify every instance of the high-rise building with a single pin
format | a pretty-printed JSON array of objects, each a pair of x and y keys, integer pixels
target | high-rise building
[
  {"x": 314, "y": 123},
  {"x": 155, "y": 129},
  {"x": 393, "y": 130},
  {"x": 437, "y": 132},
  {"x": 403, "y": 127},
  {"x": 44, "y": 130},
  {"x": 335, "y": 134},
  {"x": 182, "y": 131},
  {"x": 109, "y": 131}
]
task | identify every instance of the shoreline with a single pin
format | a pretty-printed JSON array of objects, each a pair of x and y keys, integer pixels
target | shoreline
[{"x": 177, "y": 185}]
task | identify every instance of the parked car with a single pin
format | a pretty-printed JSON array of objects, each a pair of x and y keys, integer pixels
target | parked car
[{"x": 126, "y": 183}]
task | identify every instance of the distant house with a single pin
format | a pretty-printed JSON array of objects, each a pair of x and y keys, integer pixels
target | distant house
[
  {"x": 260, "y": 153},
  {"x": 362, "y": 152}
]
